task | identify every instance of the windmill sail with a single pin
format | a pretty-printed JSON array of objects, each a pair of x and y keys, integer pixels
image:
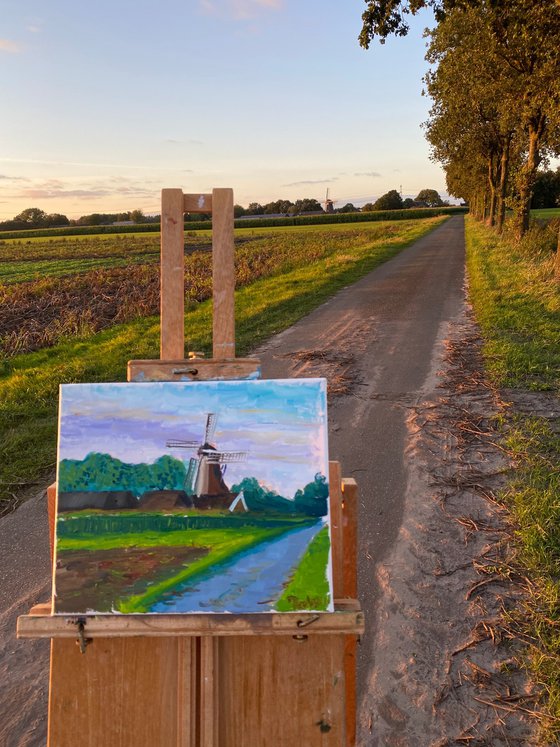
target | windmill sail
[
  {"x": 190, "y": 477},
  {"x": 211, "y": 422}
]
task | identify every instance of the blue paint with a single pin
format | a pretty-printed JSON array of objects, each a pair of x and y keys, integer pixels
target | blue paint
[{"x": 251, "y": 582}]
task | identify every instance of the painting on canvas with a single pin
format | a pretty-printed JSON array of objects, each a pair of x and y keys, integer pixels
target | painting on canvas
[{"x": 193, "y": 497}]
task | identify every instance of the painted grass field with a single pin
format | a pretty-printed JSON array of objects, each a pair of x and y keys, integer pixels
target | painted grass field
[
  {"x": 85, "y": 326},
  {"x": 133, "y": 567}
]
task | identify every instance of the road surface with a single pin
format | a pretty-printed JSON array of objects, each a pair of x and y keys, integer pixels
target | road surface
[{"x": 377, "y": 341}]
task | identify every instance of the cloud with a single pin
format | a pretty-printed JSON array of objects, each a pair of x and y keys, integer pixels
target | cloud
[
  {"x": 14, "y": 178},
  {"x": 238, "y": 9},
  {"x": 311, "y": 181},
  {"x": 373, "y": 174},
  {"x": 7, "y": 45},
  {"x": 48, "y": 194}
]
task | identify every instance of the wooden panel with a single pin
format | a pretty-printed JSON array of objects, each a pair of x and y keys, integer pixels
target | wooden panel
[
  {"x": 350, "y": 535},
  {"x": 197, "y": 203},
  {"x": 347, "y": 620},
  {"x": 194, "y": 370},
  {"x": 281, "y": 692},
  {"x": 172, "y": 302},
  {"x": 223, "y": 274},
  {"x": 208, "y": 699},
  {"x": 121, "y": 693},
  {"x": 187, "y": 692},
  {"x": 335, "y": 504}
]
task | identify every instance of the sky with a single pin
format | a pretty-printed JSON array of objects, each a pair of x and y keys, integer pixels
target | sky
[
  {"x": 106, "y": 103},
  {"x": 280, "y": 424}
]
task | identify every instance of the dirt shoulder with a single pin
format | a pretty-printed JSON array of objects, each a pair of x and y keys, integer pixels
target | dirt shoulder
[{"x": 446, "y": 672}]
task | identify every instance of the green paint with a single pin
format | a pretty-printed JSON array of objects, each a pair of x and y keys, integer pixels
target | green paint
[{"x": 309, "y": 589}]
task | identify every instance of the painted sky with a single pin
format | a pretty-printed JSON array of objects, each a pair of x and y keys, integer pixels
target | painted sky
[
  {"x": 105, "y": 103},
  {"x": 281, "y": 424}
]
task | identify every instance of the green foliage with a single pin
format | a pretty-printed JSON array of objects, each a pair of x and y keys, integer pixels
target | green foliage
[
  {"x": 518, "y": 306},
  {"x": 312, "y": 500},
  {"x": 298, "y": 220},
  {"x": 430, "y": 197},
  {"x": 99, "y": 472},
  {"x": 389, "y": 201},
  {"x": 83, "y": 527},
  {"x": 309, "y": 588}
]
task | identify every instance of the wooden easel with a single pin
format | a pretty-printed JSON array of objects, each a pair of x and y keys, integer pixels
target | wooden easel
[{"x": 268, "y": 680}]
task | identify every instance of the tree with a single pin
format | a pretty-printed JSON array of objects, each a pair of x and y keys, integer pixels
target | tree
[
  {"x": 238, "y": 211},
  {"x": 32, "y": 217},
  {"x": 137, "y": 216},
  {"x": 408, "y": 203},
  {"x": 255, "y": 208},
  {"x": 368, "y": 207},
  {"x": 512, "y": 78},
  {"x": 348, "y": 208},
  {"x": 430, "y": 197},
  {"x": 389, "y": 201}
]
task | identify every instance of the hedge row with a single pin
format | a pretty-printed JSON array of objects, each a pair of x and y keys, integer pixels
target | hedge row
[{"x": 300, "y": 220}]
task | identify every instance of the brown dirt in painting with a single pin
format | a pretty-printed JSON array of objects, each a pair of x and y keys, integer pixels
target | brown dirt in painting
[{"x": 97, "y": 579}]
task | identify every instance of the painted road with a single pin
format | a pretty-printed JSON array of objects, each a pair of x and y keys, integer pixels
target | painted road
[{"x": 251, "y": 582}]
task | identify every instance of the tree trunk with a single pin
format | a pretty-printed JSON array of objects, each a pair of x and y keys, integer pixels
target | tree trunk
[
  {"x": 502, "y": 187},
  {"x": 492, "y": 202},
  {"x": 527, "y": 176}
]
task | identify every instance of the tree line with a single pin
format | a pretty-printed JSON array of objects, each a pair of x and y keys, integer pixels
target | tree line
[
  {"x": 495, "y": 88},
  {"x": 36, "y": 218}
]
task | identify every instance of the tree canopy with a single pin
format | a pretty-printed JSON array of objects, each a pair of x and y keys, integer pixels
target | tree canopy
[
  {"x": 389, "y": 201},
  {"x": 495, "y": 86}
]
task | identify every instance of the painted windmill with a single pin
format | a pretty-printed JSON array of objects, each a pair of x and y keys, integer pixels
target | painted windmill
[{"x": 205, "y": 472}]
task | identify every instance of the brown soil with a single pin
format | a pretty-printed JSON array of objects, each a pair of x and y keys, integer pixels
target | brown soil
[{"x": 97, "y": 579}]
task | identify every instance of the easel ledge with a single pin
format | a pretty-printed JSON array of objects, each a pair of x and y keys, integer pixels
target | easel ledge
[{"x": 40, "y": 623}]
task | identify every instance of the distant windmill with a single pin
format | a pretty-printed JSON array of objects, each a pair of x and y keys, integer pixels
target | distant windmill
[{"x": 205, "y": 475}]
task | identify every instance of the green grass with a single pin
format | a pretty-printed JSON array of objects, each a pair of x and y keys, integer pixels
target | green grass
[
  {"x": 19, "y": 272},
  {"x": 546, "y": 213},
  {"x": 517, "y": 303},
  {"x": 309, "y": 588},
  {"x": 29, "y": 383}
]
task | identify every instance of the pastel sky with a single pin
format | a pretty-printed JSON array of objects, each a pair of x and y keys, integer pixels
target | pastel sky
[
  {"x": 280, "y": 424},
  {"x": 105, "y": 103}
]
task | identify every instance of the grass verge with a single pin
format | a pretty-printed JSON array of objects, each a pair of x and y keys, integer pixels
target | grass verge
[
  {"x": 517, "y": 304},
  {"x": 29, "y": 383},
  {"x": 309, "y": 588}
]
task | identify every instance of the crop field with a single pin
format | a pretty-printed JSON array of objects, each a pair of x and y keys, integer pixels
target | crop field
[{"x": 64, "y": 320}]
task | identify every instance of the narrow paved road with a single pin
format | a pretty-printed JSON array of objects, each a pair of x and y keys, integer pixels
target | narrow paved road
[{"x": 377, "y": 342}]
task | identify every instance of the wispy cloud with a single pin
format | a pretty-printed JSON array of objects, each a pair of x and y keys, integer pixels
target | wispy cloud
[
  {"x": 7, "y": 45},
  {"x": 373, "y": 174},
  {"x": 311, "y": 181},
  {"x": 238, "y": 9},
  {"x": 50, "y": 194}
]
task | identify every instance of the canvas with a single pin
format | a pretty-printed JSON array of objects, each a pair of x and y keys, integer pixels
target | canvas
[{"x": 193, "y": 497}]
